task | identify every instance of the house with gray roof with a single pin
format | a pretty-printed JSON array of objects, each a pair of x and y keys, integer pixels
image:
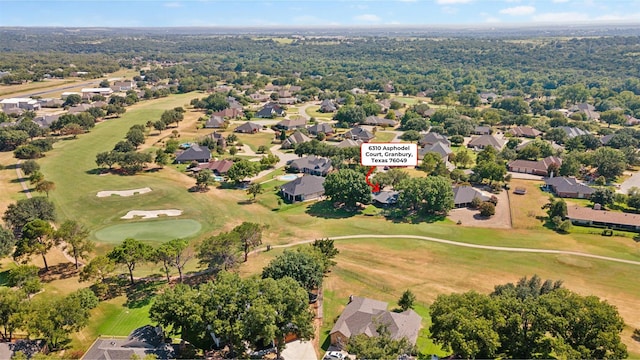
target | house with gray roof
[
  {"x": 349, "y": 143},
  {"x": 327, "y": 106},
  {"x": 294, "y": 139},
  {"x": 539, "y": 167},
  {"x": 378, "y": 121},
  {"x": 271, "y": 110},
  {"x": 196, "y": 152},
  {"x": 363, "y": 316},
  {"x": 313, "y": 165},
  {"x": 432, "y": 138},
  {"x": 439, "y": 148},
  {"x": 568, "y": 187},
  {"x": 45, "y": 121},
  {"x": 214, "y": 122},
  {"x": 359, "y": 133},
  {"x": 248, "y": 128},
  {"x": 141, "y": 342},
  {"x": 325, "y": 128},
  {"x": 525, "y": 131},
  {"x": 483, "y": 141},
  {"x": 588, "y": 109},
  {"x": 482, "y": 130},
  {"x": 464, "y": 195},
  {"x": 385, "y": 198},
  {"x": 573, "y": 131},
  {"x": 304, "y": 188},
  {"x": 290, "y": 124}
]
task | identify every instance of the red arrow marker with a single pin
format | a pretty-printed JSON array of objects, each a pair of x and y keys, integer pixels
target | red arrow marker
[{"x": 374, "y": 187}]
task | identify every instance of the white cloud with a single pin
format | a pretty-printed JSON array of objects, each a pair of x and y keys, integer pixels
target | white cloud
[
  {"x": 518, "y": 10},
  {"x": 564, "y": 17},
  {"x": 449, "y": 2},
  {"x": 172, "y": 5},
  {"x": 559, "y": 1},
  {"x": 367, "y": 18},
  {"x": 491, "y": 20}
]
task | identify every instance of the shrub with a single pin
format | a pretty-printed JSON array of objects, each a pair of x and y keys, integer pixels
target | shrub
[
  {"x": 476, "y": 202},
  {"x": 487, "y": 209}
]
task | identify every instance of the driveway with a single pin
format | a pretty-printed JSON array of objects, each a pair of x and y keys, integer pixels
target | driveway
[
  {"x": 516, "y": 175},
  {"x": 470, "y": 217},
  {"x": 299, "y": 350},
  {"x": 634, "y": 180}
]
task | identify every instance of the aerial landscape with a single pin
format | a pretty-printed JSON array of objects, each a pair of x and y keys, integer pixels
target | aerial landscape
[{"x": 320, "y": 180}]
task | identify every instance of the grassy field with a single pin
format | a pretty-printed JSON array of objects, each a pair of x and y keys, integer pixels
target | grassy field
[
  {"x": 149, "y": 230},
  {"x": 525, "y": 209},
  {"x": 384, "y": 137},
  {"x": 255, "y": 140},
  {"x": 11, "y": 190},
  {"x": 313, "y": 112}
]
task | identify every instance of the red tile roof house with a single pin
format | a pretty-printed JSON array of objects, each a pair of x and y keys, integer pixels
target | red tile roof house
[
  {"x": 603, "y": 218},
  {"x": 539, "y": 167}
]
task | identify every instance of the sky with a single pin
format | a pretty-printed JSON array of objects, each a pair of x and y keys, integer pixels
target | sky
[{"x": 316, "y": 13}]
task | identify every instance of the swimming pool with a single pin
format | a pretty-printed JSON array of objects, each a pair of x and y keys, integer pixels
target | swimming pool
[
  {"x": 287, "y": 177},
  {"x": 218, "y": 178}
]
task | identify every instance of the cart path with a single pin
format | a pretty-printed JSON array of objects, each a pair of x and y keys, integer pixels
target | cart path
[{"x": 462, "y": 244}]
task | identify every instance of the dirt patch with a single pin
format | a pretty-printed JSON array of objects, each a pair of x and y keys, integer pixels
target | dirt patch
[
  {"x": 132, "y": 192},
  {"x": 149, "y": 214},
  {"x": 471, "y": 217}
]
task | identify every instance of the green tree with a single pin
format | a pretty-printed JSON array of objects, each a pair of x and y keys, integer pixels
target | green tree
[
  {"x": 162, "y": 158},
  {"x": 302, "y": 267},
  {"x": 633, "y": 198},
  {"x": 556, "y": 208},
  {"x": 611, "y": 163},
  {"x": 45, "y": 186},
  {"x": 220, "y": 252},
  {"x": 37, "y": 238},
  {"x": 242, "y": 169},
  {"x": 76, "y": 239},
  {"x": 430, "y": 195},
  {"x": 10, "y": 305},
  {"x": 29, "y": 167},
  {"x": 487, "y": 209},
  {"x": 130, "y": 253},
  {"x": 327, "y": 250},
  {"x": 19, "y": 214},
  {"x": 254, "y": 190},
  {"x": 7, "y": 242},
  {"x": 36, "y": 177},
  {"x": 463, "y": 158},
  {"x": 26, "y": 278},
  {"x": 204, "y": 179},
  {"x": 392, "y": 177},
  {"x": 99, "y": 268},
  {"x": 135, "y": 136},
  {"x": 615, "y": 117},
  {"x": 72, "y": 100},
  {"x": 350, "y": 114},
  {"x": 179, "y": 310},
  {"x": 406, "y": 300},
  {"x": 347, "y": 186},
  {"x": 159, "y": 125},
  {"x": 603, "y": 196},
  {"x": 381, "y": 346},
  {"x": 250, "y": 235}
]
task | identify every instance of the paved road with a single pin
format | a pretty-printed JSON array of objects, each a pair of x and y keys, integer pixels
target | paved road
[
  {"x": 21, "y": 178},
  {"x": 634, "y": 180},
  {"x": 467, "y": 245},
  {"x": 57, "y": 89},
  {"x": 303, "y": 109}
]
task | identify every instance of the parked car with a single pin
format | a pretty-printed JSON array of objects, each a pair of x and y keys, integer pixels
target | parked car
[{"x": 333, "y": 355}]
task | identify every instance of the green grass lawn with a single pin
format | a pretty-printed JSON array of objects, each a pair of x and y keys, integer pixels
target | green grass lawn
[
  {"x": 313, "y": 112},
  {"x": 255, "y": 140},
  {"x": 384, "y": 137},
  {"x": 149, "y": 230}
]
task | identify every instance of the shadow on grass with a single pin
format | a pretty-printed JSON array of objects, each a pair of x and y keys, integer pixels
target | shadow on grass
[
  {"x": 326, "y": 343},
  {"x": 11, "y": 167},
  {"x": 58, "y": 272},
  {"x": 141, "y": 293},
  {"x": 97, "y": 171},
  {"x": 326, "y": 210},
  {"x": 636, "y": 335},
  {"x": 399, "y": 216}
]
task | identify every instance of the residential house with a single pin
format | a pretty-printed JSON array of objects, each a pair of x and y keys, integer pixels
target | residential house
[
  {"x": 385, "y": 198},
  {"x": 327, "y": 106},
  {"x": 378, "y": 121},
  {"x": 214, "y": 122},
  {"x": 432, "y": 138},
  {"x": 482, "y": 130},
  {"x": 312, "y": 165},
  {"x": 568, "y": 187},
  {"x": 359, "y": 133},
  {"x": 19, "y": 103},
  {"x": 270, "y": 110},
  {"x": 144, "y": 341},
  {"x": 233, "y": 103},
  {"x": 229, "y": 113},
  {"x": 196, "y": 153},
  {"x": 605, "y": 139},
  {"x": 483, "y": 141},
  {"x": 272, "y": 87},
  {"x": 306, "y": 187},
  {"x": 290, "y": 124},
  {"x": 80, "y": 108},
  {"x": 525, "y": 131},
  {"x": 50, "y": 103},
  {"x": 218, "y": 167},
  {"x": 464, "y": 195},
  {"x": 258, "y": 97},
  {"x": 603, "y": 218},
  {"x": 573, "y": 131},
  {"x": 588, "y": 109},
  {"x": 439, "y": 148},
  {"x": 388, "y": 87},
  {"x": 287, "y": 101},
  {"x": 295, "y": 88},
  {"x": 88, "y": 93},
  {"x": 631, "y": 121},
  {"x": 66, "y": 94},
  {"x": 218, "y": 138},
  {"x": 539, "y": 167},
  {"x": 125, "y": 85},
  {"x": 44, "y": 121},
  {"x": 294, "y": 139},
  {"x": 320, "y": 128},
  {"x": 349, "y": 143},
  {"x": 363, "y": 316},
  {"x": 284, "y": 94},
  {"x": 248, "y": 128}
]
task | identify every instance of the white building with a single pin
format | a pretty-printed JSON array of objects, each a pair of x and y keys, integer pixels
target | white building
[
  {"x": 87, "y": 93},
  {"x": 19, "y": 103}
]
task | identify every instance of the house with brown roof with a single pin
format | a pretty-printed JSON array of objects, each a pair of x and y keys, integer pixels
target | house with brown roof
[
  {"x": 248, "y": 128},
  {"x": 195, "y": 152},
  {"x": 349, "y": 143},
  {"x": 260, "y": 97},
  {"x": 295, "y": 139},
  {"x": 482, "y": 130},
  {"x": 378, "y": 121},
  {"x": 568, "y": 187},
  {"x": 218, "y": 138},
  {"x": 525, "y": 131},
  {"x": 327, "y": 106},
  {"x": 215, "y": 122},
  {"x": 483, "y": 141},
  {"x": 229, "y": 113},
  {"x": 290, "y": 124},
  {"x": 432, "y": 138},
  {"x": 439, "y": 148},
  {"x": 363, "y": 316},
  {"x": 218, "y": 167},
  {"x": 325, "y": 128},
  {"x": 539, "y": 167},
  {"x": 359, "y": 133},
  {"x": 603, "y": 218}
]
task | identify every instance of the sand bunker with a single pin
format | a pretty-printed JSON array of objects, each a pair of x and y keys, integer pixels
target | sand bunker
[
  {"x": 123, "y": 192},
  {"x": 151, "y": 213}
]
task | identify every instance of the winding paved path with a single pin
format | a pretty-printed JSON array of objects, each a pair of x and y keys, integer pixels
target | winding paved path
[{"x": 462, "y": 244}]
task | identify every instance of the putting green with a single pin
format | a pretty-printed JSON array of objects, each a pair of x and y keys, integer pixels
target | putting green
[{"x": 151, "y": 230}]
